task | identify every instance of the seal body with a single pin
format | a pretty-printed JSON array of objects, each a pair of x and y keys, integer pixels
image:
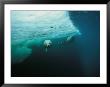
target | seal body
[{"x": 47, "y": 44}]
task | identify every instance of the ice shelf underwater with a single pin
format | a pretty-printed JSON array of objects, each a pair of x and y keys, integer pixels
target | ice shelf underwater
[{"x": 40, "y": 29}]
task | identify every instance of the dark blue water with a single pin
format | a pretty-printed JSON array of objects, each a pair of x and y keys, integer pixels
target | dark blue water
[{"x": 80, "y": 58}]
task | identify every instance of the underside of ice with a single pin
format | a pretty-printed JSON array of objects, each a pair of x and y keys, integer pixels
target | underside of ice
[{"x": 30, "y": 28}]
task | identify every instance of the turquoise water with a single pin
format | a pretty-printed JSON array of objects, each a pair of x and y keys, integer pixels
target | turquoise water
[
  {"x": 33, "y": 28},
  {"x": 74, "y": 49}
]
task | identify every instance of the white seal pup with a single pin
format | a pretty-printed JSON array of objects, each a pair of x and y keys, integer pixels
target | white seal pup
[{"x": 47, "y": 44}]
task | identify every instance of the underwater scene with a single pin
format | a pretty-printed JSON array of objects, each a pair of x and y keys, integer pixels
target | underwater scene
[{"x": 55, "y": 43}]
